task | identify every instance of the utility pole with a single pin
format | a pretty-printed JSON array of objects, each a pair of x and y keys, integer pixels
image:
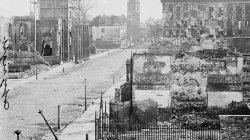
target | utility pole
[
  {"x": 34, "y": 2},
  {"x": 131, "y": 84}
]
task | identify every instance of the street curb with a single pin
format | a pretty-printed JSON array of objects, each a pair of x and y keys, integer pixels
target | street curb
[
  {"x": 84, "y": 124},
  {"x": 57, "y": 69}
]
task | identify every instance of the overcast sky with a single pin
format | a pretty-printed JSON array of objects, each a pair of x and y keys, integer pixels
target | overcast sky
[{"x": 149, "y": 8}]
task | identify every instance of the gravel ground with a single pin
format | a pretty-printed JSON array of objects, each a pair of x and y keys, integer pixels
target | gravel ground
[{"x": 63, "y": 88}]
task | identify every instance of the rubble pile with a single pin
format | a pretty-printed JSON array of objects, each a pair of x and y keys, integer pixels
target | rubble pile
[
  {"x": 188, "y": 93},
  {"x": 25, "y": 57},
  {"x": 196, "y": 121},
  {"x": 20, "y": 59},
  {"x": 30, "y": 72},
  {"x": 152, "y": 77},
  {"x": 224, "y": 78},
  {"x": 185, "y": 63},
  {"x": 164, "y": 114},
  {"x": 235, "y": 127},
  {"x": 188, "y": 106},
  {"x": 238, "y": 108}
]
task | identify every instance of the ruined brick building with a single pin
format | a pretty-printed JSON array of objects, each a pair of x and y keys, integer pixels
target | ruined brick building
[
  {"x": 194, "y": 17},
  {"x": 109, "y": 32},
  {"x": 62, "y": 33}
]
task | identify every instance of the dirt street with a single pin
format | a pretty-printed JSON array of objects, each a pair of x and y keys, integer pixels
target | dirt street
[{"x": 63, "y": 88}]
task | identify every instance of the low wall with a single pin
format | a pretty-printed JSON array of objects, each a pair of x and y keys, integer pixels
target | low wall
[
  {"x": 223, "y": 99},
  {"x": 100, "y": 44},
  {"x": 52, "y": 60},
  {"x": 162, "y": 97},
  {"x": 18, "y": 68}
]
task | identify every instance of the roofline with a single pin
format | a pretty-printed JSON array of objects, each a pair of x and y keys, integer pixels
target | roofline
[
  {"x": 208, "y": 1},
  {"x": 238, "y": 37}
]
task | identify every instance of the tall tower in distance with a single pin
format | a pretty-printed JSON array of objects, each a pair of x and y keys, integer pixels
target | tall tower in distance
[
  {"x": 134, "y": 11},
  {"x": 133, "y": 20}
]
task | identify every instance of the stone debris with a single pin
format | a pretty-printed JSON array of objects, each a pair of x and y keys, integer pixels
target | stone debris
[
  {"x": 235, "y": 127},
  {"x": 30, "y": 72}
]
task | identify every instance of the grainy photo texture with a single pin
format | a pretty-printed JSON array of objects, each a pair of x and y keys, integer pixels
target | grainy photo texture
[{"x": 124, "y": 69}]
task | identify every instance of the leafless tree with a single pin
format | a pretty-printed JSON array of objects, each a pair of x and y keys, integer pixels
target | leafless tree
[
  {"x": 154, "y": 29},
  {"x": 85, "y": 7}
]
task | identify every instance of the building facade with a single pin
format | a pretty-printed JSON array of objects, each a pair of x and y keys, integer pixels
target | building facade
[
  {"x": 64, "y": 19},
  {"x": 191, "y": 18},
  {"x": 109, "y": 31}
]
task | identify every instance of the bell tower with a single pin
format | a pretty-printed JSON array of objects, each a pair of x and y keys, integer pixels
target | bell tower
[{"x": 134, "y": 11}]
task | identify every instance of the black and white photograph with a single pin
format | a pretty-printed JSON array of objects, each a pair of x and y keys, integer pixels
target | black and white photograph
[{"x": 124, "y": 69}]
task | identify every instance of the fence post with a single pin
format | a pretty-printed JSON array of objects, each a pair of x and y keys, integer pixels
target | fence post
[
  {"x": 87, "y": 136},
  {"x": 127, "y": 70},
  {"x": 17, "y": 132},
  {"x": 131, "y": 85},
  {"x": 85, "y": 85},
  {"x": 95, "y": 126},
  {"x": 59, "y": 117}
]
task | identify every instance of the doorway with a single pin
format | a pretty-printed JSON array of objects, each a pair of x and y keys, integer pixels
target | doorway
[{"x": 47, "y": 50}]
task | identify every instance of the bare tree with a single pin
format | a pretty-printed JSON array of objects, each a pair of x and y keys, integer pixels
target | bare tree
[
  {"x": 85, "y": 6},
  {"x": 154, "y": 29}
]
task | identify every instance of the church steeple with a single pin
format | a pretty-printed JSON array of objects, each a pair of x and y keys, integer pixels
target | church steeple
[{"x": 134, "y": 10}]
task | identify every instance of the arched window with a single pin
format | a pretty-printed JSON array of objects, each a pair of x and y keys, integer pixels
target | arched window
[
  {"x": 47, "y": 50},
  {"x": 23, "y": 31}
]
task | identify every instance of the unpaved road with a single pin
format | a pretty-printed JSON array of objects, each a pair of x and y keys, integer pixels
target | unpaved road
[{"x": 63, "y": 88}]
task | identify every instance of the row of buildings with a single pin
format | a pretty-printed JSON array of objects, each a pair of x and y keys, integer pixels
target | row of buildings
[{"x": 62, "y": 31}]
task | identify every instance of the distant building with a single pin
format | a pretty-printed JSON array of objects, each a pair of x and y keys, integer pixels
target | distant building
[
  {"x": 133, "y": 15},
  {"x": 223, "y": 89},
  {"x": 18, "y": 31},
  {"x": 134, "y": 11},
  {"x": 109, "y": 31},
  {"x": 195, "y": 17},
  {"x": 5, "y": 30},
  {"x": 109, "y": 20}
]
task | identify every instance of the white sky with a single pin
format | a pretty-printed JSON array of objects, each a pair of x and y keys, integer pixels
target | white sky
[{"x": 149, "y": 8}]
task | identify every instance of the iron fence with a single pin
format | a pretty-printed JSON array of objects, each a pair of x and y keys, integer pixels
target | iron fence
[{"x": 107, "y": 129}]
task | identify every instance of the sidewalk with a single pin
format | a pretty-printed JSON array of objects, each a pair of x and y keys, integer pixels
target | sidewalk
[
  {"x": 17, "y": 82},
  {"x": 85, "y": 124}
]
